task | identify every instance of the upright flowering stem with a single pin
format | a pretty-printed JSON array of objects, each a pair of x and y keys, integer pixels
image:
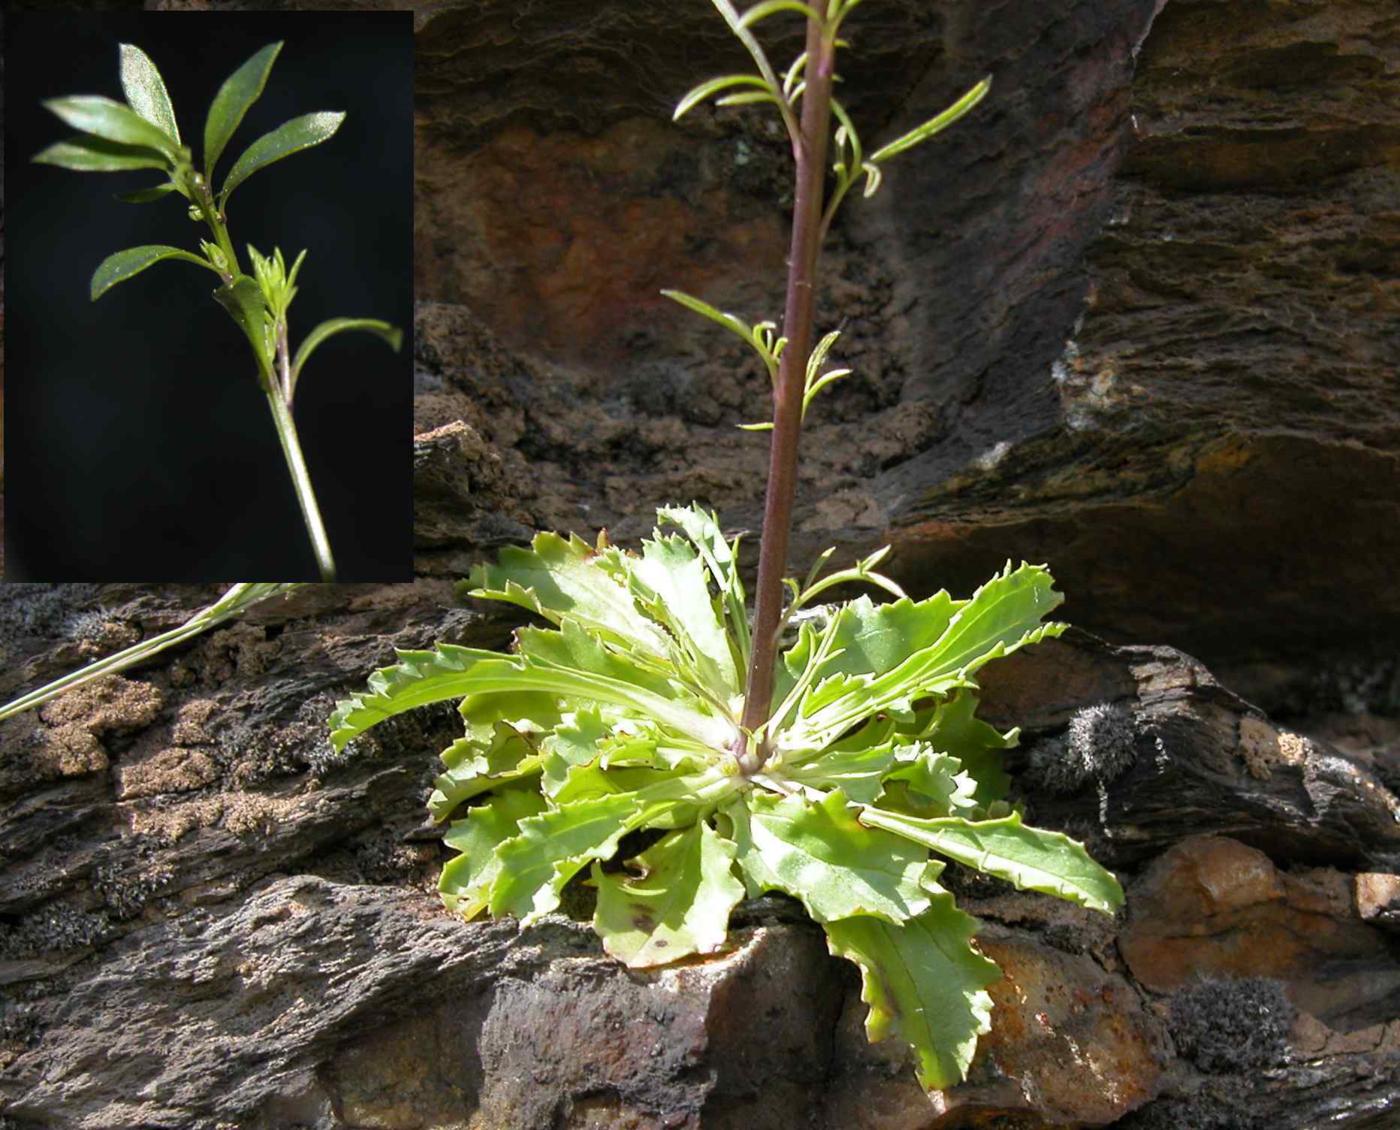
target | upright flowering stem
[
  {"x": 281, "y": 406},
  {"x": 810, "y": 156}
]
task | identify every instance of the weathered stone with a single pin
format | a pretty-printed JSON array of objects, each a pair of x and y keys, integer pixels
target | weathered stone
[{"x": 1213, "y": 907}]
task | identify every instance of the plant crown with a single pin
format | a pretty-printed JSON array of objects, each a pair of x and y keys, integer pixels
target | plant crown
[{"x": 621, "y": 718}]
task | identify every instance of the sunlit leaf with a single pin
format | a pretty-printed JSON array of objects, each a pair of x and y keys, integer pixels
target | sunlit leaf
[
  {"x": 108, "y": 119},
  {"x": 768, "y": 8},
  {"x": 1029, "y": 858},
  {"x": 711, "y": 87},
  {"x": 674, "y": 904},
  {"x": 925, "y": 983},
  {"x": 145, "y": 90},
  {"x": 934, "y": 125},
  {"x": 466, "y": 881},
  {"x": 821, "y": 854}
]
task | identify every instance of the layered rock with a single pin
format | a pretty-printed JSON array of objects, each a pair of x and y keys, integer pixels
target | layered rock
[{"x": 1132, "y": 319}]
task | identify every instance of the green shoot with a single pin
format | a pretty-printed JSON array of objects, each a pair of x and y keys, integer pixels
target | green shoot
[{"x": 143, "y": 133}]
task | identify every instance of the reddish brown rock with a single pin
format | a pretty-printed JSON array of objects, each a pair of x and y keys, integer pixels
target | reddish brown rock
[{"x": 1214, "y": 907}]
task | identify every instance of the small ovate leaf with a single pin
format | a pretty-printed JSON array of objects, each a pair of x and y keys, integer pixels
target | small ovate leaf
[
  {"x": 105, "y": 118},
  {"x": 333, "y": 326},
  {"x": 925, "y": 983},
  {"x": 239, "y": 91},
  {"x": 288, "y": 138},
  {"x": 145, "y": 90},
  {"x": 466, "y": 881},
  {"x": 122, "y": 265},
  {"x": 819, "y": 853},
  {"x": 678, "y": 906},
  {"x": 146, "y": 195},
  {"x": 88, "y": 154},
  {"x": 245, "y": 304},
  {"x": 1031, "y": 859}
]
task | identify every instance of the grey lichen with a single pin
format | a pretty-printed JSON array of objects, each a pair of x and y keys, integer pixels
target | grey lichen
[
  {"x": 1232, "y": 1024},
  {"x": 1098, "y": 745}
]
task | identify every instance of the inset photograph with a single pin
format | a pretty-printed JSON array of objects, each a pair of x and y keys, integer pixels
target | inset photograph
[{"x": 209, "y": 301}]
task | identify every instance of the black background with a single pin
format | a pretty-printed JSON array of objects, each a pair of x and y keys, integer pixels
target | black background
[{"x": 139, "y": 446}]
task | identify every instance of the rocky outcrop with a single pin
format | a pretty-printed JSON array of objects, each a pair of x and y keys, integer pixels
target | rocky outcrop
[
  {"x": 1132, "y": 319},
  {"x": 211, "y": 921}
]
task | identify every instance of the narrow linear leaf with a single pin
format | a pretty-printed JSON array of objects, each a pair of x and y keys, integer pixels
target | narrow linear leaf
[
  {"x": 105, "y": 118},
  {"x": 122, "y": 265},
  {"x": 1029, "y": 858},
  {"x": 935, "y": 124},
  {"x": 88, "y": 154},
  {"x": 288, "y": 138},
  {"x": 679, "y": 905},
  {"x": 239, "y": 91},
  {"x": 711, "y": 87},
  {"x": 925, "y": 983},
  {"x": 772, "y": 7},
  {"x": 145, "y": 90},
  {"x": 333, "y": 326}
]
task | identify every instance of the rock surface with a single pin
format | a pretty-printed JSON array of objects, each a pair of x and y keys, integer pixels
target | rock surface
[{"x": 1135, "y": 319}]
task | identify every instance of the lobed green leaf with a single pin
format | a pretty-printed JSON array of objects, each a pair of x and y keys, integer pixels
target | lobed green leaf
[
  {"x": 1030, "y": 858},
  {"x": 552, "y": 848},
  {"x": 676, "y": 578},
  {"x": 466, "y": 881},
  {"x": 677, "y": 905},
  {"x": 559, "y": 577},
  {"x": 821, "y": 854},
  {"x": 924, "y": 982}
]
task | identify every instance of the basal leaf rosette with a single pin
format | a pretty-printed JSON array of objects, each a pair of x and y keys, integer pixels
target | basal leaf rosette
[{"x": 621, "y": 716}]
